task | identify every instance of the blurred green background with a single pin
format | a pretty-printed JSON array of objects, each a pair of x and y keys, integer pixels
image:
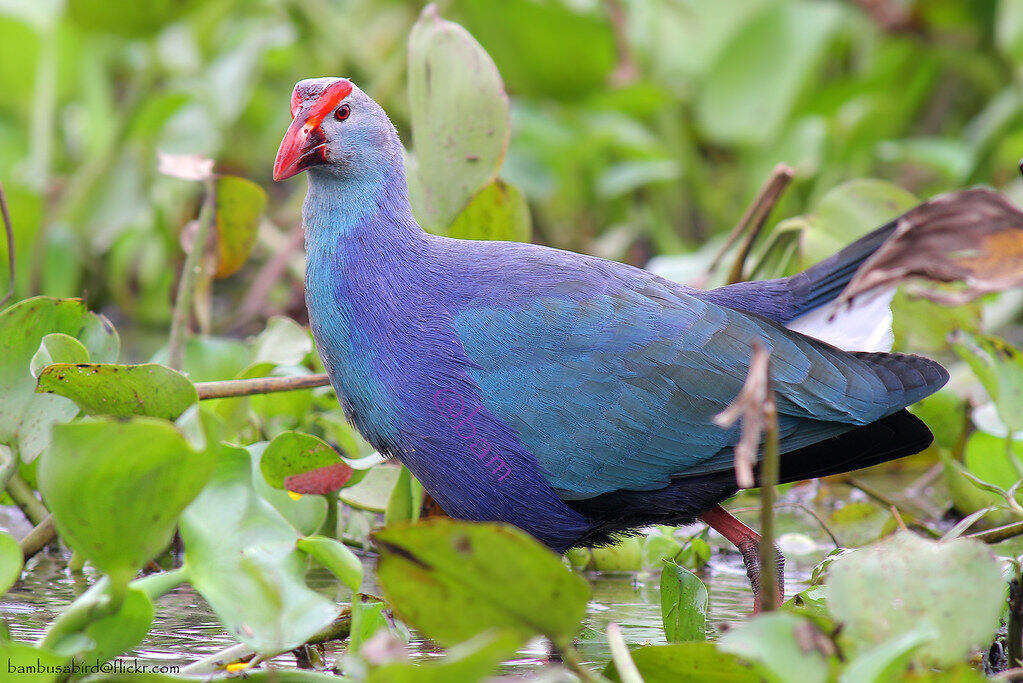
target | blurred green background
[{"x": 640, "y": 127}]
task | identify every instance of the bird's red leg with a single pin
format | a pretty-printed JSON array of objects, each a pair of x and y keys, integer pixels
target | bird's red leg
[{"x": 748, "y": 543}]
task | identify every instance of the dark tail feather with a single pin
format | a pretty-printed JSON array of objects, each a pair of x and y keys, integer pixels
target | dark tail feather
[
  {"x": 785, "y": 299},
  {"x": 822, "y": 283},
  {"x": 892, "y": 437}
]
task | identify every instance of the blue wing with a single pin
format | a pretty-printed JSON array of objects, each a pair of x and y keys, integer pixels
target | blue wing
[{"x": 615, "y": 388}]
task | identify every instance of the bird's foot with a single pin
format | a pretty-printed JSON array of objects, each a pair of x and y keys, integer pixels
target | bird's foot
[{"x": 748, "y": 543}]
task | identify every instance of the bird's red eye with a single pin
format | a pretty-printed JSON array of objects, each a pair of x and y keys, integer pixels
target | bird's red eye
[{"x": 342, "y": 112}]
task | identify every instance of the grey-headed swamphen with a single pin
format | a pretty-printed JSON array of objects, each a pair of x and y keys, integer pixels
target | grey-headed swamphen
[{"x": 569, "y": 395}]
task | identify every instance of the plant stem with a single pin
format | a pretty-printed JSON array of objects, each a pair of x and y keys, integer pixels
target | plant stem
[
  {"x": 627, "y": 671},
  {"x": 23, "y": 495},
  {"x": 103, "y": 599},
  {"x": 769, "y": 467},
  {"x": 189, "y": 276},
  {"x": 909, "y": 516},
  {"x": 9, "y": 229},
  {"x": 38, "y": 538},
  {"x": 259, "y": 385},
  {"x": 998, "y": 534},
  {"x": 755, "y": 215},
  {"x": 570, "y": 658},
  {"x": 161, "y": 583}
]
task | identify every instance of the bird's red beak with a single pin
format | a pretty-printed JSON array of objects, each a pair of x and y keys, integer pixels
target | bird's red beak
[{"x": 303, "y": 146}]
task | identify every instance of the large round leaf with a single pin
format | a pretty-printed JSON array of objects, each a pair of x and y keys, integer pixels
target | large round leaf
[
  {"x": 121, "y": 390},
  {"x": 25, "y": 416},
  {"x": 117, "y": 487},
  {"x": 460, "y": 119},
  {"x": 905, "y": 583},
  {"x": 453, "y": 580},
  {"x": 242, "y": 556}
]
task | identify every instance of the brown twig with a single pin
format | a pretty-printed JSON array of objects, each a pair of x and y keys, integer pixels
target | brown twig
[
  {"x": 9, "y": 229},
  {"x": 259, "y": 385},
  {"x": 38, "y": 538},
  {"x": 756, "y": 215}
]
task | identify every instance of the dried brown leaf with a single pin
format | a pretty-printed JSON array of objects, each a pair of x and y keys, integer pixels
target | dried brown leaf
[
  {"x": 755, "y": 407},
  {"x": 974, "y": 237}
]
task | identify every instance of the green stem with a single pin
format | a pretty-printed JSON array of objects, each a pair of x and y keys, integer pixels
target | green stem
[
  {"x": 189, "y": 276},
  {"x": 260, "y": 385},
  {"x": 77, "y": 563},
  {"x": 102, "y": 600},
  {"x": 769, "y": 467},
  {"x": 998, "y": 534},
  {"x": 161, "y": 583},
  {"x": 22, "y": 494}
]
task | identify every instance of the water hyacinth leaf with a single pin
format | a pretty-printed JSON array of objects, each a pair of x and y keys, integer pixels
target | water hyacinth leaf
[
  {"x": 140, "y": 474},
  {"x": 208, "y": 359},
  {"x": 25, "y": 416},
  {"x": 782, "y": 647},
  {"x": 684, "y": 603},
  {"x": 58, "y": 348},
  {"x": 974, "y": 237},
  {"x": 999, "y": 367},
  {"x": 905, "y": 583},
  {"x": 887, "y": 661},
  {"x": 10, "y": 561},
  {"x": 373, "y": 492},
  {"x": 551, "y": 49},
  {"x": 460, "y": 118},
  {"x": 750, "y": 92},
  {"x": 303, "y": 463},
  {"x": 122, "y": 631},
  {"x": 453, "y": 580},
  {"x": 31, "y": 664},
  {"x": 993, "y": 459},
  {"x": 306, "y": 513},
  {"x": 335, "y": 556},
  {"x": 367, "y": 620},
  {"x": 406, "y": 499},
  {"x": 624, "y": 556},
  {"x": 497, "y": 212},
  {"x": 242, "y": 558},
  {"x": 693, "y": 662},
  {"x": 474, "y": 660},
  {"x": 120, "y": 390},
  {"x": 239, "y": 205},
  {"x": 283, "y": 342}
]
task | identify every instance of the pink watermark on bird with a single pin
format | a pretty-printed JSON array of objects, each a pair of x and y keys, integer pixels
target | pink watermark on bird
[{"x": 451, "y": 404}]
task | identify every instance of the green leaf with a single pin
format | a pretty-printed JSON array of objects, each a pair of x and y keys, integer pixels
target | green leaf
[
  {"x": 10, "y": 562},
  {"x": 242, "y": 557},
  {"x": 26, "y": 417},
  {"x": 546, "y": 49},
  {"x": 751, "y": 91},
  {"x": 944, "y": 414},
  {"x": 335, "y": 556},
  {"x": 693, "y": 662},
  {"x": 283, "y": 342},
  {"x": 999, "y": 367},
  {"x": 367, "y": 619},
  {"x": 474, "y": 660},
  {"x": 497, "y": 212},
  {"x": 122, "y": 631},
  {"x": 406, "y": 499},
  {"x": 905, "y": 583},
  {"x": 306, "y": 514},
  {"x": 1008, "y": 25},
  {"x": 460, "y": 119},
  {"x": 684, "y": 603},
  {"x": 58, "y": 348},
  {"x": 120, "y": 390},
  {"x": 453, "y": 580},
  {"x": 24, "y": 661},
  {"x": 373, "y": 492},
  {"x": 624, "y": 556},
  {"x": 988, "y": 458},
  {"x": 139, "y": 475},
  {"x": 294, "y": 454},
  {"x": 240, "y": 203},
  {"x": 888, "y": 660},
  {"x": 781, "y": 645}
]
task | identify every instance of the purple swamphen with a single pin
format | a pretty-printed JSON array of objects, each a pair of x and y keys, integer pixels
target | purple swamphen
[{"x": 565, "y": 394}]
